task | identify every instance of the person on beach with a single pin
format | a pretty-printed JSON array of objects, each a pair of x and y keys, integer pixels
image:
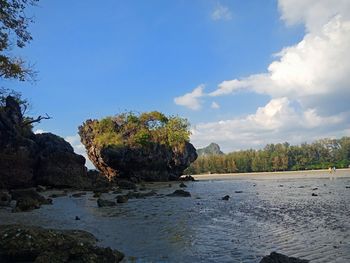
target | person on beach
[{"x": 330, "y": 170}]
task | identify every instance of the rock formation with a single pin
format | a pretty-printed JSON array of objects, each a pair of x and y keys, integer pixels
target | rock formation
[
  {"x": 211, "y": 149},
  {"x": 28, "y": 159},
  {"x": 150, "y": 161}
]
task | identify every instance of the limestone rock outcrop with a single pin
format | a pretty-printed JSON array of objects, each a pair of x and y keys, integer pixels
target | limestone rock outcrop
[
  {"x": 153, "y": 162},
  {"x": 28, "y": 159}
]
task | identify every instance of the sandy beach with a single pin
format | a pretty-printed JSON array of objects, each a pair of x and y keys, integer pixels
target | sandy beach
[{"x": 275, "y": 175}]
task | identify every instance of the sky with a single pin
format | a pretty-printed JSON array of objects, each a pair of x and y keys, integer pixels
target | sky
[{"x": 244, "y": 73}]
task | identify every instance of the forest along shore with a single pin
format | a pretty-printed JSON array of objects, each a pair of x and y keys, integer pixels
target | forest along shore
[{"x": 277, "y": 175}]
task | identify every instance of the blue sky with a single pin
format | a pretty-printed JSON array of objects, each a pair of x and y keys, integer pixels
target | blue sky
[{"x": 99, "y": 59}]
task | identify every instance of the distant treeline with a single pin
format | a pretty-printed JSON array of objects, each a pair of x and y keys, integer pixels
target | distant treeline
[{"x": 321, "y": 154}]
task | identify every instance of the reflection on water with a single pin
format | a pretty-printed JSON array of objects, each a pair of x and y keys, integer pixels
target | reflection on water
[{"x": 270, "y": 215}]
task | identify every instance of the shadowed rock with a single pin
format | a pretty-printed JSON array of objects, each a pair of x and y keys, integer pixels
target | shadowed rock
[{"x": 28, "y": 159}]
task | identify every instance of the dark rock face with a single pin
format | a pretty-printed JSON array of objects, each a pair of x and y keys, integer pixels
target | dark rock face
[
  {"x": 279, "y": 258},
  {"x": 20, "y": 243},
  {"x": 28, "y": 159},
  {"x": 155, "y": 162}
]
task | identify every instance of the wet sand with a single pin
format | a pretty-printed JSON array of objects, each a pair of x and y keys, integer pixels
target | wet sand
[
  {"x": 264, "y": 214},
  {"x": 271, "y": 175}
]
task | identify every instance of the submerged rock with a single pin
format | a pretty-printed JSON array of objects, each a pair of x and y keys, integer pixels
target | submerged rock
[
  {"x": 180, "y": 193},
  {"x": 182, "y": 185},
  {"x": 122, "y": 199},
  {"x": 280, "y": 258},
  {"x": 31, "y": 244},
  {"x": 138, "y": 195},
  {"x": 104, "y": 203},
  {"x": 226, "y": 197}
]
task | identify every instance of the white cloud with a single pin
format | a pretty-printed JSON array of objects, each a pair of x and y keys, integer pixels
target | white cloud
[
  {"x": 214, "y": 105},
  {"x": 308, "y": 83},
  {"x": 221, "y": 13},
  {"x": 315, "y": 68},
  {"x": 191, "y": 100},
  {"x": 278, "y": 121},
  {"x": 79, "y": 148},
  {"x": 312, "y": 13}
]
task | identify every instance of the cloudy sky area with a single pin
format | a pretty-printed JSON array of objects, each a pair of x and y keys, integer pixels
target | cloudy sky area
[
  {"x": 245, "y": 73},
  {"x": 308, "y": 84}
]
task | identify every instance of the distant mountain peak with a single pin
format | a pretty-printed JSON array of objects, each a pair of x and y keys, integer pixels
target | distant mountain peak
[{"x": 211, "y": 149}]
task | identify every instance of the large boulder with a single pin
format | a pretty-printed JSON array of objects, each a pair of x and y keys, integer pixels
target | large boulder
[
  {"x": 148, "y": 160},
  {"x": 28, "y": 159},
  {"x": 20, "y": 243}
]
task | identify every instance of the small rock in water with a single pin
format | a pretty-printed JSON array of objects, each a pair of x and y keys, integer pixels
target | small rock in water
[
  {"x": 28, "y": 199},
  {"x": 182, "y": 185},
  {"x": 96, "y": 194},
  {"x": 347, "y": 187},
  {"x": 313, "y": 194},
  {"x": 180, "y": 193},
  {"x": 103, "y": 203},
  {"x": 314, "y": 189},
  {"x": 238, "y": 192},
  {"x": 280, "y": 258},
  {"x": 58, "y": 195},
  {"x": 281, "y": 185},
  {"x": 122, "y": 199},
  {"x": 127, "y": 185},
  {"x": 77, "y": 218},
  {"x": 226, "y": 197},
  {"x": 78, "y": 194}
]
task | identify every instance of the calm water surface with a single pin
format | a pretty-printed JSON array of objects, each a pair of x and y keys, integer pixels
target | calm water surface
[{"x": 269, "y": 215}]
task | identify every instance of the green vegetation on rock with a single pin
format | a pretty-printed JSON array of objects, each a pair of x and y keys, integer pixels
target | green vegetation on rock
[{"x": 133, "y": 130}]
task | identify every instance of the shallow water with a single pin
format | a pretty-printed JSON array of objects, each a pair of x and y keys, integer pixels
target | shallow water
[{"x": 270, "y": 215}]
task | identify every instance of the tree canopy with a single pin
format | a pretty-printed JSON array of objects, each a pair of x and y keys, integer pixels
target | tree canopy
[
  {"x": 145, "y": 129},
  {"x": 14, "y": 33},
  {"x": 320, "y": 154}
]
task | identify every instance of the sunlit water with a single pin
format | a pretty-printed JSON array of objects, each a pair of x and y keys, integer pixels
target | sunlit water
[{"x": 270, "y": 215}]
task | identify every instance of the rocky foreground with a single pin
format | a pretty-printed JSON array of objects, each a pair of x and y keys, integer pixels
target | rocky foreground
[{"x": 19, "y": 243}]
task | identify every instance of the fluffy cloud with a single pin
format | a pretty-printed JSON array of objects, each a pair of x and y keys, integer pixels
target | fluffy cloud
[
  {"x": 278, "y": 121},
  {"x": 315, "y": 69},
  {"x": 191, "y": 100},
  {"x": 79, "y": 148},
  {"x": 309, "y": 83},
  {"x": 221, "y": 13}
]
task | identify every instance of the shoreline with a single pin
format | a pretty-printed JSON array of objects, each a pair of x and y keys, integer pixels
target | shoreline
[{"x": 324, "y": 173}]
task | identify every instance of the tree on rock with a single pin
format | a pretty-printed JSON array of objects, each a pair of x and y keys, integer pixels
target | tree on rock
[{"x": 148, "y": 146}]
